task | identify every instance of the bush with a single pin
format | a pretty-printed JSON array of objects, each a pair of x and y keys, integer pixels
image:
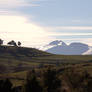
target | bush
[
  {"x": 5, "y": 86},
  {"x": 51, "y": 81},
  {"x": 32, "y": 83}
]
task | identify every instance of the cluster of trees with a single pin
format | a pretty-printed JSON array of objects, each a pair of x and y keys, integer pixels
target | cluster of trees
[
  {"x": 13, "y": 43},
  {"x": 5, "y": 86},
  {"x": 50, "y": 81},
  {"x": 77, "y": 81}
]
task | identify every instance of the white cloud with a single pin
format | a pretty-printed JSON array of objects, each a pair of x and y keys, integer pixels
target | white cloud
[
  {"x": 86, "y": 40},
  {"x": 4, "y": 4},
  {"x": 17, "y": 28},
  {"x": 82, "y": 40},
  {"x": 70, "y": 28},
  {"x": 69, "y": 34},
  {"x": 72, "y": 31}
]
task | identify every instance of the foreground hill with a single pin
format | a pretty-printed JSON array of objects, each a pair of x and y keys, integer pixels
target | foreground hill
[
  {"x": 12, "y": 57},
  {"x": 20, "y": 52},
  {"x": 15, "y": 62},
  {"x": 16, "y": 59}
]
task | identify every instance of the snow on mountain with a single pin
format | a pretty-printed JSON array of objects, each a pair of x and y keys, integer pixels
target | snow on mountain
[
  {"x": 59, "y": 47},
  {"x": 53, "y": 44},
  {"x": 89, "y": 52},
  {"x": 57, "y": 42}
]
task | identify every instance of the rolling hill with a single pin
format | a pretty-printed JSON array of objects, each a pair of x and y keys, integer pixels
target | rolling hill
[{"x": 15, "y": 59}]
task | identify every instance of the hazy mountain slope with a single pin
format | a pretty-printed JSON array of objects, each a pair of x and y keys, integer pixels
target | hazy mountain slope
[
  {"x": 73, "y": 49},
  {"x": 88, "y": 52},
  {"x": 53, "y": 44}
]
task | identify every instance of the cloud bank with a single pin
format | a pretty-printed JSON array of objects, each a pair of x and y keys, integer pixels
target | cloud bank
[
  {"x": 16, "y": 3},
  {"x": 13, "y": 25},
  {"x": 18, "y": 28}
]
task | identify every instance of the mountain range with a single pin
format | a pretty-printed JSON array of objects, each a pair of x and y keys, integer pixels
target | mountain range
[{"x": 75, "y": 48}]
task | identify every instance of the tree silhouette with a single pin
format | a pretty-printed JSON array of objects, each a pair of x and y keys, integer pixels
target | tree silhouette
[
  {"x": 32, "y": 84},
  {"x": 51, "y": 81},
  {"x": 1, "y": 41},
  {"x": 5, "y": 86},
  {"x": 89, "y": 86},
  {"x": 19, "y": 43},
  {"x": 13, "y": 43},
  {"x": 1, "y": 85}
]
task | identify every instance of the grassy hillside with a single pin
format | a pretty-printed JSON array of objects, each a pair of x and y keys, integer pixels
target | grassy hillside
[
  {"x": 14, "y": 59},
  {"x": 12, "y": 52}
]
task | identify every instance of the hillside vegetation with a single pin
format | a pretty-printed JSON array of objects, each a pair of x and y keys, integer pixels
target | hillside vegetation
[
  {"x": 13, "y": 58},
  {"x": 72, "y": 71}
]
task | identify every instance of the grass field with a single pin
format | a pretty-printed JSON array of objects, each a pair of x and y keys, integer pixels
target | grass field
[{"x": 16, "y": 61}]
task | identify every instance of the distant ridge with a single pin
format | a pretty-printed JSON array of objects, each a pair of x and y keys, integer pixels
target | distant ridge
[{"x": 60, "y": 47}]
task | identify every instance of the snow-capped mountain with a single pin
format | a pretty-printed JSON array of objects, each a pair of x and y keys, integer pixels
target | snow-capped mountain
[
  {"x": 57, "y": 42},
  {"x": 59, "y": 47},
  {"x": 88, "y": 52},
  {"x": 53, "y": 44}
]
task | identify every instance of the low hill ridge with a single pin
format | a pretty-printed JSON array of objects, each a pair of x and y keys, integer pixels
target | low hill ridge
[{"x": 20, "y": 52}]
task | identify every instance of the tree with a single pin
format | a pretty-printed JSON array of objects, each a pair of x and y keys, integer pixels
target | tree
[
  {"x": 1, "y": 85},
  {"x": 17, "y": 89},
  {"x": 5, "y": 86},
  {"x": 32, "y": 84},
  {"x": 51, "y": 81},
  {"x": 89, "y": 86},
  {"x": 13, "y": 43},
  {"x": 1, "y": 41},
  {"x": 19, "y": 43}
]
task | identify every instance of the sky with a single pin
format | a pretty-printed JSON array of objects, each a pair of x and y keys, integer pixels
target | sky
[{"x": 37, "y": 22}]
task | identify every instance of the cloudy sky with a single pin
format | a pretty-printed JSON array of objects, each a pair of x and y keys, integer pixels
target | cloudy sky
[{"x": 37, "y": 22}]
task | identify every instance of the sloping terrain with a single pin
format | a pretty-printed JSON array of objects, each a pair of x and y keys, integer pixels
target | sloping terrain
[
  {"x": 18, "y": 58},
  {"x": 20, "y": 52},
  {"x": 16, "y": 61}
]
